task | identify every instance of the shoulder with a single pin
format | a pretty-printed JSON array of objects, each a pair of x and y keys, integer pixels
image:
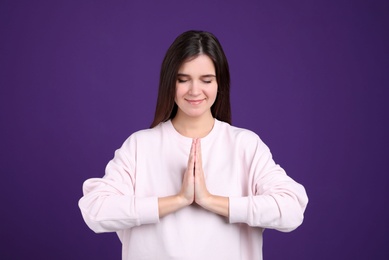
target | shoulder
[
  {"x": 145, "y": 136},
  {"x": 242, "y": 139},
  {"x": 238, "y": 133}
]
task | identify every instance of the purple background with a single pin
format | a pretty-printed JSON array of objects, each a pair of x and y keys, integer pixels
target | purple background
[{"x": 310, "y": 77}]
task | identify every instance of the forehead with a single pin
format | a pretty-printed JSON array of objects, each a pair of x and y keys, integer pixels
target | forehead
[{"x": 200, "y": 65}]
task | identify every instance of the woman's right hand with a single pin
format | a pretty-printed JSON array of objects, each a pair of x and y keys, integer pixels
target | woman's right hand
[
  {"x": 187, "y": 189},
  {"x": 170, "y": 204}
]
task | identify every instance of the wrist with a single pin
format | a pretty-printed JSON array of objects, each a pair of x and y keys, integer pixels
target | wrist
[
  {"x": 182, "y": 201},
  {"x": 215, "y": 204},
  {"x": 205, "y": 201},
  {"x": 170, "y": 204}
]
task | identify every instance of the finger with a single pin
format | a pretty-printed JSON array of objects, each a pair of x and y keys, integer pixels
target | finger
[
  {"x": 199, "y": 161},
  {"x": 191, "y": 159},
  {"x": 194, "y": 141}
]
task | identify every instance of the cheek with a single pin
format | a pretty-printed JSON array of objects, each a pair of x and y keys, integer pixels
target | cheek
[
  {"x": 178, "y": 93},
  {"x": 213, "y": 91}
]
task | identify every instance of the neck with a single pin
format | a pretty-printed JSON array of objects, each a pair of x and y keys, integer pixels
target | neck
[{"x": 193, "y": 127}]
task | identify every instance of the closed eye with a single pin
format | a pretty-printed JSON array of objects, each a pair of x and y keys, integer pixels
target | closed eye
[
  {"x": 182, "y": 80},
  {"x": 207, "y": 79}
]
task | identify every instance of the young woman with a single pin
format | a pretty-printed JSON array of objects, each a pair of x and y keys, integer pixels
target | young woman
[{"x": 193, "y": 186}]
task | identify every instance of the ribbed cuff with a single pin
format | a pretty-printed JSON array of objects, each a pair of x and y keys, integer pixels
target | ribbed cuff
[
  {"x": 238, "y": 209},
  {"x": 147, "y": 209}
]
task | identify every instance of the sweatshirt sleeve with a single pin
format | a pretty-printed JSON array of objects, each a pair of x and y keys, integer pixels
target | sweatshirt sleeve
[
  {"x": 276, "y": 201},
  {"x": 109, "y": 203}
]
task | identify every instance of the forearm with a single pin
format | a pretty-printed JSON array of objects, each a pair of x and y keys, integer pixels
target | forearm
[
  {"x": 113, "y": 213},
  {"x": 168, "y": 205},
  {"x": 216, "y": 204},
  {"x": 283, "y": 211}
]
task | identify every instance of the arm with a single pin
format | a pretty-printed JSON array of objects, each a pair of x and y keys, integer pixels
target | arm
[
  {"x": 168, "y": 205},
  {"x": 276, "y": 200},
  {"x": 216, "y": 204},
  {"x": 109, "y": 203}
]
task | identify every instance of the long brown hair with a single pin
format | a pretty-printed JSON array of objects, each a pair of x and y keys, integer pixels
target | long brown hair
[{"x": 187, "y": 46}]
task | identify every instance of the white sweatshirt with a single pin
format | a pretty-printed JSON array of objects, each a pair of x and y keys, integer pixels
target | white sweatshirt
[{"x": 151, "y": 164}]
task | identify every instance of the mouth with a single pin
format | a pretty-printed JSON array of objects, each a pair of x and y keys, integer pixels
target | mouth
[{"x": 195, "y": 102}]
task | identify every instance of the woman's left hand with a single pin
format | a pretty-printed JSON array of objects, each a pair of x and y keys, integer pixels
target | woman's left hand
[
  {"x": 213, "y": 203},
  {"x": 201, "y": 192}
]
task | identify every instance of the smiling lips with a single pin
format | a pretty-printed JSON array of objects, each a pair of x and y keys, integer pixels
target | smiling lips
[{"x": 195, "y": 102}]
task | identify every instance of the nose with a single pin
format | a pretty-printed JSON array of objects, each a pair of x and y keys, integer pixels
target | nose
[{"x": 195, "y": 88}]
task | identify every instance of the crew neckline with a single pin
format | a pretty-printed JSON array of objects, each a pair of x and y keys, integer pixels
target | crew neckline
[{"x": 188, "y": 140}]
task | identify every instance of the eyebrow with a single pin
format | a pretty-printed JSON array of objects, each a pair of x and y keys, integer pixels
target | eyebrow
[{"x": 202, "y": 76}]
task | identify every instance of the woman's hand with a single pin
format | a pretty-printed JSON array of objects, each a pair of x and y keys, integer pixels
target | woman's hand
[
  {"x": 201, "y": 192},
  {"x": 187, "y": 193},
  {"x": 170, "y": 204},
  {"x": 194, "y": 189},
  {"x": 213, "y": 203}
]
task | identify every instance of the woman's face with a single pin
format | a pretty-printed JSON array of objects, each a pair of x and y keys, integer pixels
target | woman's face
[{"x": 196, "y": 87}]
